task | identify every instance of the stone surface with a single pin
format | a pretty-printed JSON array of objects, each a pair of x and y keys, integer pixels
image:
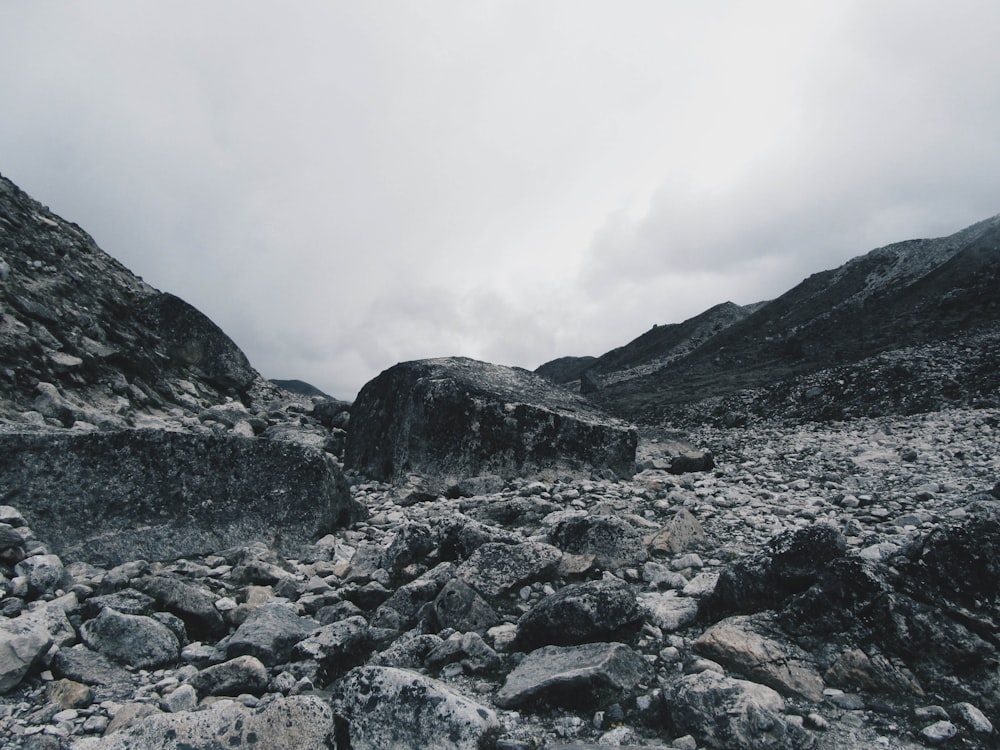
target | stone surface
[
  {"x": 289, "y": 723},
  {"x": 578, "y": 613},
  {"x": 459, "y": 417},
  {"x": 199, "y": 492},
  {"x": 495, "y": 568},
  {"x": 193, "y": 604},
  {"x": 269, "y": 633},
  {"x": 614, "y": 543},
  {"x": 244, "y": 674},
  {"x": 585, "y": 676},
  {"x": 135, "y": 640},
  {"x": 729, "y": 714},
  {"x": 385, "y": 707}
]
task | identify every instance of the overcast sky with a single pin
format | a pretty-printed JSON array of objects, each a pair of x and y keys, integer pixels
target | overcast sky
[{"x": 345, "y": 185}]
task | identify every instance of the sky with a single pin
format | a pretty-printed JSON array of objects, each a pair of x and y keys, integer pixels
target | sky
[{"x": 342, "y": 185}]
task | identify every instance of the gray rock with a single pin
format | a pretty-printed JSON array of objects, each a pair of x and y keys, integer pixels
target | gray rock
[
  {"x": 496, "y": 568},
  {"x": 244, "y": 674},
  {"x": 578, "y": 613},
  {"x": 269, "y": 633},
  {"x": 668, "y": 611},
  {"x": 45, "y": 573},
  {"x": 467, "y": 648},
  {"x": 400, "y": 610},
  {"x": 939, "y": 732},
  {"x": 972, "y": 717},
  {"x": 735, "y": 643},
  {"x": 291, "y": 723},
  {"x": 337, "y": 646},
  {"x": 680, "y": 534},
  {"x": 84, "y": 665},
  {"x": 139, "y": 641},
  {"x": 26, "y": 638},
  {"x": 269, "y": 491},
  {"x": 729, "y": 714},
  {"x": 458, "y": 417},
  {"x": 574, "y": 676},
  {"x": 384, "y": 707},
  {"x": 183, "y": 698},
  {"x": 458, "y": 606},
  {"x": 195, "y": 605},
  {"x": 614, "y": 542}
]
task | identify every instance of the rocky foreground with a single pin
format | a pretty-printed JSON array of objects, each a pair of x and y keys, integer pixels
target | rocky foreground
[{"x": 822, "y": 586}]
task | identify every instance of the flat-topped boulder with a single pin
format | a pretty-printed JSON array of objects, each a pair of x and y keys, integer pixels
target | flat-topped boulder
[
  {"x": 108, "y": 497},
  {"x": 456, "y": 417}
]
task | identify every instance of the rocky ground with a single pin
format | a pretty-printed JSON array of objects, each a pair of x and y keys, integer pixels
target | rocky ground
[{"x": 828, "y": 585}]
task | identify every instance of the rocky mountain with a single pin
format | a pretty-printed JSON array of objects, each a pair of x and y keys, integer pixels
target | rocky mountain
[
  {"x": 471, "y": 557},
  {"x": 918, "y": 295}
]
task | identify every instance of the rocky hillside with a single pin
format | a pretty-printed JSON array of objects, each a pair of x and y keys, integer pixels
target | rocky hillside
[{"x": 918, "y": 295}]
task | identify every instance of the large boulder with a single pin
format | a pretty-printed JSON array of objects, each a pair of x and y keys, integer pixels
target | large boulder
[
  {"x": 289, "y": 723},
  {"x": 109, "y": 497},
  {"x": 575, "y": 676},
  {"x": 579, "y": 613},
  {"x": 384, "y": 707},
  {"x": 458, "y": 417}
]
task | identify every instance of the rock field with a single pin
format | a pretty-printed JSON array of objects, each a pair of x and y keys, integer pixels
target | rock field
[{"x": 825, "y": 585}]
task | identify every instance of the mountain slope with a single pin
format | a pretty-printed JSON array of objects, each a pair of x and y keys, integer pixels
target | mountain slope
[
  {"x": 92, "y": 340},
  {"x": 904, "y": 295}
]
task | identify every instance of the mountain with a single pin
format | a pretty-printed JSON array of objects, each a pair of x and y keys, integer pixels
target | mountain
[
  {"x": 83, "y": 339},
  {"x": 914, "y": 294}
]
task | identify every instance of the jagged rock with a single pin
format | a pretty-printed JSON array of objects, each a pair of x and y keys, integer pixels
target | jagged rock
[
  {"x": 790, "y": 563},
  {"x": 730, "y": 714},
  {"x": 692, "y": 461},
  {"x": 407, "y": 652},
  {"x": 244, "y": 674},
  {"x": 81, "y": 664},
  {"x": 584, "y": 676},
  {"x": 400, "y": 610},
  {"x": 70, "y": 694},
  {"x": 199, "y": 493},
  {"x": 138, "y": 641},
  {"x": 578, "y": 613},
  {"x": 459, "y": 606},
  {"x": 193, "y": 604},
  {"x": 337, "y": 646},
  {"x": 26, "y": 638},
  {"x": 291, "y": 723},
  {"x": 458, "y": 417},
  {"x": 736, "y": 644},
  {"x": 45, "y": 573},
  {"x": 495, "y": 568},
  {"x": 411, "y": 544},
  {"x": 128, "y": 601},
  {"x": 462, "y": 536},
  {"x": 382, "y": 707},
  {"x": 854, "y": 669},
  {"x": 668, "y": 611},
  {"x": 269, "y": 633},
  {"x": 682, "y": 533},
  {"x": 182, "y": 698},
  {"x": 614, "y": 542},
  {"x": 467, "y": 648}
]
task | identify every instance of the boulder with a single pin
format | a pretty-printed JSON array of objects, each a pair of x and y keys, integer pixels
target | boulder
[
  {"x": 668, "y": 611},
  {"x": 45, "y": 573},
  {"x": 458, "y": 417},
  {"x": 682, "y": 533},
  {"x": 269, "y": 633},
  {"x": 459, "y": 606},
  {"x": 81, "y": 664},
  {"x": 585, "y": 676},
  {"x": 337, "y": 646},
  {"x": 195, "y": 605},
  {"x": 789, "y": 563},
  {"x": 614, "y": 542},
  {"x": 495, "y": 568},
  {"x": 382, "y": 707},
  {"x": 736, "y": 644},
  {"x": 729, "y": 714},
  {"x": 291, "y": 723},
  {"x": 108, "y": 497},
  {"x": 138, "y": 641},
  {"x": 579, "y": 613},
  {"x": 25, "y": 639},
  {"x": 244, "y": 674}
]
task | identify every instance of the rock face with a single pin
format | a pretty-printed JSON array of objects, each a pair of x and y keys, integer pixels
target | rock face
[
  {"x": 116, "y": 496},
  {"x": 458, "y": 417}
]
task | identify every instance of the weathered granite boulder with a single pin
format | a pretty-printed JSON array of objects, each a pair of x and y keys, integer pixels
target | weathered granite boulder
[
  {"x": 382, "y": 707},
  {"x": 108, "y": 497},
  {"x": 730, "y": 714},
  {"x": 578, "y": 676},
  {"x": 282, "y": 724},
  {"x": 458, "y": 417},
  {"x": 579, "y": 613}
]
